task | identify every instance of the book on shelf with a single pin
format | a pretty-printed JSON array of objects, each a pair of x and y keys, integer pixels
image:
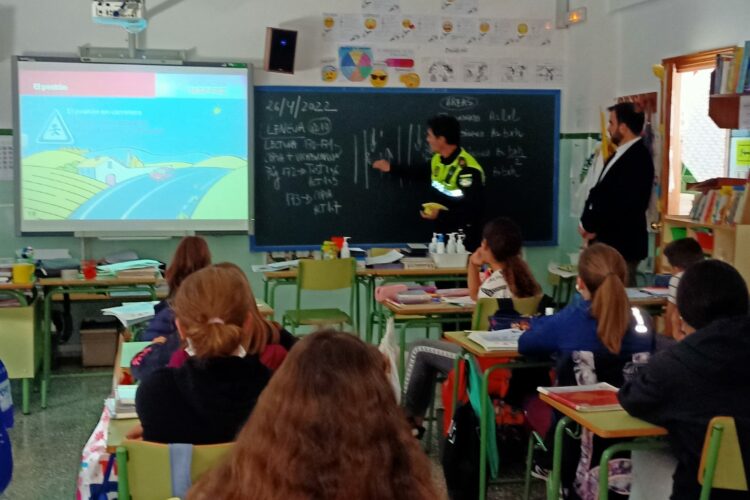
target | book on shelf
[
  {"x": 496, "y": 340},
  {"x": 734, "y": 71},
  {"x": 585, "y": 398},
  {"x": 743, "y": 82}
]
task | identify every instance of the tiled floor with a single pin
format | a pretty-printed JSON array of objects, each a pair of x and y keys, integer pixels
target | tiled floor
[{"x": 47, "y": 444}]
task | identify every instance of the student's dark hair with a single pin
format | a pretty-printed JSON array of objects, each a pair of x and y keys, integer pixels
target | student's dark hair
[
  {"x": 191, "y": 255},
  {"x": 711, "y": 290},
  {"x": 683, "y": 253},
  {"x": 626, "y": 113},
  {"x": 446, "y": 126},
  {"x": 504, "y": 239}
]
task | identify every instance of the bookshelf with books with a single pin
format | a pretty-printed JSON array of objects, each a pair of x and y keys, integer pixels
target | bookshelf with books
[
  {"x": 730, "y": 83},
  {"x": 719, "y": 220}
]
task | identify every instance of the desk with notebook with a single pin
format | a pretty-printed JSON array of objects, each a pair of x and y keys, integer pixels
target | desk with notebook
[{"x": 605, "y": 424}]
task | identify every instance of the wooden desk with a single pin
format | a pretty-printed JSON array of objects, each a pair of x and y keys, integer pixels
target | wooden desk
[
  {"x": 462, "y": 339},
  {"x": 264, "y": 309},
  {"x": 20, "y": 337},
  {"x": 431, "y": 313},
  {"x": 368, "y": 278},
  {"x": 605, "y": 424},
  {"x": 18, "y": 291},
  {"x": 99, "y": 286}
]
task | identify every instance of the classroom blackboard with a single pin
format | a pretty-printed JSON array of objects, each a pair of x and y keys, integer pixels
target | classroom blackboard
[{"x": 314, "y": 148}]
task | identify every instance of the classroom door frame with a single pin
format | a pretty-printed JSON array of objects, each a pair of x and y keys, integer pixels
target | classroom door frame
[{"x": 669, "y": 201}]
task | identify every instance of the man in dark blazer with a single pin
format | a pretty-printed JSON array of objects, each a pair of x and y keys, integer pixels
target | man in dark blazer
[{"x": 615, "y": 210}]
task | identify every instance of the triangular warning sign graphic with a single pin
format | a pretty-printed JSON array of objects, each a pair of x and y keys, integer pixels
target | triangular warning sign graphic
[{"x": 56, "y": 131}]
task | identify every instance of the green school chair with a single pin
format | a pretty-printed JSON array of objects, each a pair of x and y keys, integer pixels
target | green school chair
[
  {"x": 721, "y": 461},
  {"x": 485, "y": 308},
  {"x": 146, "y": 471},
  {"x": 323, "y": 275}
]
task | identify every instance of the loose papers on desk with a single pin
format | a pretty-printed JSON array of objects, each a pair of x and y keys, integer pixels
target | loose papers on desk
[
  {"x": 132, "y": 313},
  {"x": 131, "y": 264},
  {"x": 386, "y": 258},
  {"x": 275, "y": 266},
  {"x": 460, "y": 301},
  {"x": 498, "y": 340}
]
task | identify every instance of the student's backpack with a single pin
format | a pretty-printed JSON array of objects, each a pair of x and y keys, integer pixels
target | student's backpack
[
  {"x": 461, "y": 452},
  {"x": 460, "y": 458}
]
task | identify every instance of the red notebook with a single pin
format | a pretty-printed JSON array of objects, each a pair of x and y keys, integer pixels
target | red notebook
[{"x": 585, "y": 398}]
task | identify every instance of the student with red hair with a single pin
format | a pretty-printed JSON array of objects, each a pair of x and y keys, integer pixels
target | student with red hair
[{"x": 327, "y": 426}]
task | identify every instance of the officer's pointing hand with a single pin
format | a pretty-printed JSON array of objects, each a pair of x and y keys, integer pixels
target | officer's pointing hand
[{"x": 382, "y": 165}]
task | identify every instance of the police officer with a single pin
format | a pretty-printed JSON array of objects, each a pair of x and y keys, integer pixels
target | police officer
[{"x": 456, "y": 177}]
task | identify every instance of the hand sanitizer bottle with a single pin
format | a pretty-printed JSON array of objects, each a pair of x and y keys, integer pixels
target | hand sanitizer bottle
[
  {"x": 440, "y": 244},
  {"x": 460, "y": 248},
  {"x": 451, "y": 246},
  {"x": 345, "y": 253},
  {"x": 433, "y": 244}
]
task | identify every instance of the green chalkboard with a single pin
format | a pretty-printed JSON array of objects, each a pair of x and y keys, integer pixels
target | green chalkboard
[{"x": 314, "y": 148}]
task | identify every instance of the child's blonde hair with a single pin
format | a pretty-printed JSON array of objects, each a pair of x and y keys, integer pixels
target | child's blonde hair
[{"x": 212, "y": 307}]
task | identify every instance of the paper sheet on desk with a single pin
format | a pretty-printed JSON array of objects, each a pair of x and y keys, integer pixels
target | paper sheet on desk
[
  {"x": 634, "y": 293},
  {"x": 275, "y": 266},
  {"x": 387, "y": 258},
  {"x": 460, "y": 301}
]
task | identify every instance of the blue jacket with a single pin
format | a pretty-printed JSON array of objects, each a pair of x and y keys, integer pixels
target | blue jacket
[
  {"x": 162, "y": 324},
  {"x": 574, "y": 329}
]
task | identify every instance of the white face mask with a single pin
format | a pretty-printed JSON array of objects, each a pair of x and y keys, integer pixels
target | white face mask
[{"x": 240, "y": 352}]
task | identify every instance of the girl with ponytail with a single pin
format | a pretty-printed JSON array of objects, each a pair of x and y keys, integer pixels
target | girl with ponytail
[
  {"x": 599, "y": 338},
  {"x": 603, "y": 322},
  {"x": 501, "y": 252},
  {"x": 209, "y": 397}
]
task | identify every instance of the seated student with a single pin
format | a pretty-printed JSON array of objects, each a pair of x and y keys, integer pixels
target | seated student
[
  {"x": 511, "y": 277},
  {"x": 280, "y": 341},
  {"x": 680, "y": 254},
  {"x": 209, "y": 397},
  {"x": 596, "y": 339},
  {"x": 705, "y": 375},
  {"x": 326, "y": 427},
  {"x": 191, "y": 255}
]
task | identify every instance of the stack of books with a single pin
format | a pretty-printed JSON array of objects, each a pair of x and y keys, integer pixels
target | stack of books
[
  {"x": 585, "y": 398},
  {"x": 141, "y": 268},
  {"x": 122, "y": 405}
]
